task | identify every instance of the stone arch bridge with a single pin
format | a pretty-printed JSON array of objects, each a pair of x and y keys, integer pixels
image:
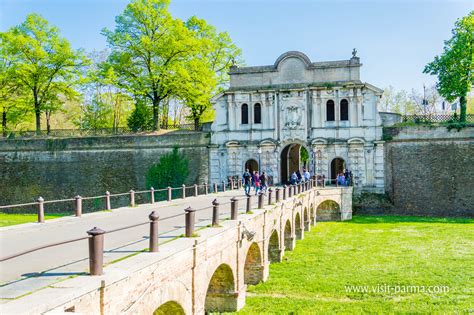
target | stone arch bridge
[{"x": 207, "y": 273}]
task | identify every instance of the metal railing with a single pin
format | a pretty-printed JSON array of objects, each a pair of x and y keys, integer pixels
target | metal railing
[
  {"x": 64, "y": 133},
  {"x": 96, "y": 235},
  {"x": 436, "y": 118},
  {"x": 171, "y": 193}
]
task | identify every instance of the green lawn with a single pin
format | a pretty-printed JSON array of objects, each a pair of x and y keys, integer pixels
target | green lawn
[
  {"x": 383, "y": 253},
  {"x": 7, "y": 219}
]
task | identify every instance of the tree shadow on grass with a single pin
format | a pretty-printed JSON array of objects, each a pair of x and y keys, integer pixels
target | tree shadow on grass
[{"x": 369, "y": 219}]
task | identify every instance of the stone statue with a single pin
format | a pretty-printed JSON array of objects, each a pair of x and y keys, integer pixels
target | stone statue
[{"x": 354, "y": 53}]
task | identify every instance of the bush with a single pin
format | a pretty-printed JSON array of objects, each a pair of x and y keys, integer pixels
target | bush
[{"x": 171, "y": 170}]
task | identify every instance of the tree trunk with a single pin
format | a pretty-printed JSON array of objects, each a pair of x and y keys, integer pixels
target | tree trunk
[
  {"x": 156, "y": 110},
  {"x": 196, "y": 123},
  {"x": 37, "y": 114},
  {"x": 48, "y": 121},
  {"x": 4, "y": 123},
  {"x": 462, "y": 105},
  {"x": 166, "y": 107},
  {"x": 38, "y": 121}
]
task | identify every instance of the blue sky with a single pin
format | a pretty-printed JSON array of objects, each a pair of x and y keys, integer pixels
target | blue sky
[{"x": 394, "y": 39}]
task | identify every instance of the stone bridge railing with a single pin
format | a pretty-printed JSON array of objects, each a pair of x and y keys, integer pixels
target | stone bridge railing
[{"x": 193, "y": 275}]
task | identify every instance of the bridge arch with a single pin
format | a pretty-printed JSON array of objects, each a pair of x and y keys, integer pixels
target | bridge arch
[
  {"x": 298, "y": 230},
  {"x": 328, "y": 210},
  {"x": 220, "y": 296},
  {"x": 253, "y": 268},
  {"x": 170, "y": 307},
  {"x": 288, "y": 237},
  {"x": 274, "y": 248}
]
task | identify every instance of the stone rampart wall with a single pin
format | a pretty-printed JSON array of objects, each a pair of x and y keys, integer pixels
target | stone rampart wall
[
  {"x": 63, "y": 168},
  {"x": 429, "y": 171}
]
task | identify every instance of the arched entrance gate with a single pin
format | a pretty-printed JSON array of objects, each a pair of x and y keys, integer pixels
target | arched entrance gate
[
  {"x": 293, "y": 157},
  {"x": 251, "y": 165},
  {"x": 337, "y": 166}
]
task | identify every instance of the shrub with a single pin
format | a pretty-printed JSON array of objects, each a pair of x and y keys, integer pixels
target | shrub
[{"x": 171, "y": 170}]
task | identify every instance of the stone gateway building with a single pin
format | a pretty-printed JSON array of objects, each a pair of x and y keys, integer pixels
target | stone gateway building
[{"x": 297, "y": 113}]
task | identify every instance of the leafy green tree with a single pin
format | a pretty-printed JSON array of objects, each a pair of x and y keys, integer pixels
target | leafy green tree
[
  {"x": 149, "y": 48},
  {"x": 455, "y": 66},
  {"x": 45, "y": 61},
  {"x": 105, "y": 104},
  {"x": 208, "y": 68},
  {"x": 399, "y": 102},
  {"x": 9, "y": 88},
  {"x": 141, "y": 118},
  {"x": 172, "y": 170}
]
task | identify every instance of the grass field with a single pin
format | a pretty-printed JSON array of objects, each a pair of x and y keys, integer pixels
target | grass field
[
  {"x": 396, "y": 258},
  {"x": 7, "y": 219}
]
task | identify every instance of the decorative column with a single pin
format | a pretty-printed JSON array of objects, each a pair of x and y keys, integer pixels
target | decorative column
[{"x": 359, "y": 105}]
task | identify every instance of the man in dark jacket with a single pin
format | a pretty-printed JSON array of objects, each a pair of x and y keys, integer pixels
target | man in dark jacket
[{"x": 247, "y": 181}]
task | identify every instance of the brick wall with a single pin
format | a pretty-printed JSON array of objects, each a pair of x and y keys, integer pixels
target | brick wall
[
  {"x": 63, "y": 168},
  {"x": 430, "y": 171}
]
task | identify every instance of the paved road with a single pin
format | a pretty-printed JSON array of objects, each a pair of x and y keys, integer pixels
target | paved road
[{"x": 36, "y": 270}]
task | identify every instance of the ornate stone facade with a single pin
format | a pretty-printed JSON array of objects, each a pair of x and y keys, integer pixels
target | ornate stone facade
[{"x": 295, "y": 103}]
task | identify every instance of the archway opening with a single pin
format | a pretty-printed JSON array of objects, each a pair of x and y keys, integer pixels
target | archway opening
[
  {"x": 337, "y": 166},
  {"x": 170, "y": 307},
  {"x": 274, "y": 248},
  {"x": 294, "y": 157},
  {"x": 328, "y": 210},
  {"x": 298, "y": 230},
  {"x": 288, "y": 237},
  {"x": 251, "y": 165},
  {"x": 253, "y": 269},
  {"x": 220, "y": 296}
]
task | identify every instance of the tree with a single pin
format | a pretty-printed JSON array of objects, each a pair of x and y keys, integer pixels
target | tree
[
  {"x": 105, "y": 104},
  {"x": 140, "y": 119},
  {"x": 45, "y": 61},
  {"x": 208, "y": 69},
  {"x": 149, "y": 48},
  {"x": 55, "y": 99},
  {"x": 10, "y": 92},
  {"x": 397, "y": 101},
  {"x": 455, "y": 66},
  {"x": 171, "y": 171}
]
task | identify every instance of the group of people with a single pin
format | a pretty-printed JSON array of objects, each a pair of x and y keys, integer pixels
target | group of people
[
  {"x": 259, "y": 182},
  {"x": 344, "y": 178},
  {"x": 300, "y": 177}
]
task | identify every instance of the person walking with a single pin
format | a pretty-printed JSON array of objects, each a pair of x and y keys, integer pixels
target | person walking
[
  {"x": 293, "y": 178},
  {"x": 346, "y": 177},
  {"x": 341, "y": 179},
  {"x": 256, "y": 180},
  {"x": 298, "y": 176},
  {"x": 306, "y": 176},
  {"x": 247, "y": 181},
  {"x": 263, "y": 182}
]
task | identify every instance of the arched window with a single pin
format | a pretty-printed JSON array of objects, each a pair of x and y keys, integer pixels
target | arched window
[
  {"x": 330, "y": 110},
  {"x": 245, "y": 114},
  {"x": 344, "y": 110},
  {"x": 257, "y": 113}
]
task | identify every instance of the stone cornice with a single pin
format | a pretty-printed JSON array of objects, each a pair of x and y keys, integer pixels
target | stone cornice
[
  {"x": 353, "y": 62},
  {"x": 295, "y": 86}
]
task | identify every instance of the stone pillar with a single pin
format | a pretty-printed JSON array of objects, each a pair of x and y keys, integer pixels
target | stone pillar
[{"x": 359, "y": 101}]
